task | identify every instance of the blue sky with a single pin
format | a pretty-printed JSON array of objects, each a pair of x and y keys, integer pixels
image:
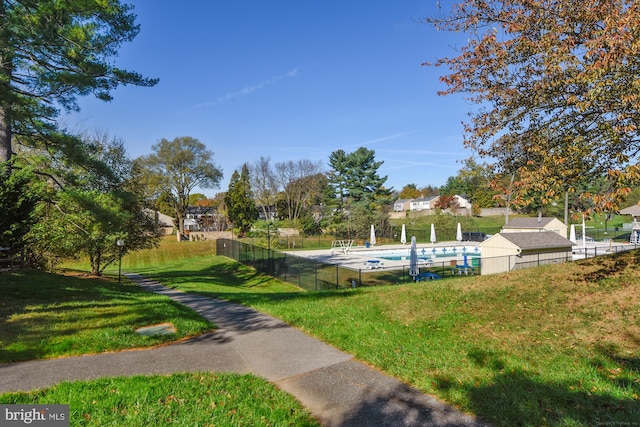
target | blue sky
[{"x": 290, "y": 80}]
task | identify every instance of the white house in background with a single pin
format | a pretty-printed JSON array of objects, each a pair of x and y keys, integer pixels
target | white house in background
[
  {"x": 463, "y": 202},
  {"x": 537, "y": 224},
  {"x": 165, "y": 222},
  {"x": 634, "y": 211},
  {"x": 508, "y": 251},
  {"x": 402, "y": 205},
  {"x": 423, "y": 203},
  {"x": 428, "y": 204}
]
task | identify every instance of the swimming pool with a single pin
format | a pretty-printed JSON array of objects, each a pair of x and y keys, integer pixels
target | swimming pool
[{"x": 427, "y": 253}]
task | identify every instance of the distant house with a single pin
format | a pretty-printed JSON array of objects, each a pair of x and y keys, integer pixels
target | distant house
[
  {"x": 423, "y": 203},
  {"x": 530, "y": 224},
  {"x": 270, "y": 215},
  {"x": 204, "y": 218},
  {"x": 164, "y": 222},
  {"x": 514, "y": 250},
  {"x": 463, "y": 202},
  {"x": 634, "y": 211},
  {"x": 402, "y": 205}
]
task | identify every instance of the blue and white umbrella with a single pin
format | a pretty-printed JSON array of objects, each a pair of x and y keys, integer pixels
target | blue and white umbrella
[
  {"x": 413, "y": 258},
  {"x": 403, "y": 235},
  {"x": 372, "y": 237},
  {"x": 433, "y": 234},
  {"x": 459, "y": 233}
]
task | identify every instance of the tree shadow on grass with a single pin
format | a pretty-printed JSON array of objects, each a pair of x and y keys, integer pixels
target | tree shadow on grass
[
  {"x": 520, "y": 398},
  {"x": 611, "y": 266},
  {"x": 44, "y": 315},
  {"x": 222, "y": 308},
  {"x": 236, "y": 283}
]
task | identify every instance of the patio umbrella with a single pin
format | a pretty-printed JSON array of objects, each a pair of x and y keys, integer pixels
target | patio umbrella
[
  {"x": 403, "y": 235},
  {"x": 459, "y": 233},
  {"x": 372, "y": 237},
  {"x": 413, "y": 259},
  {"x": 433, "y": 234},
  {"x": 572, "y": 234}
]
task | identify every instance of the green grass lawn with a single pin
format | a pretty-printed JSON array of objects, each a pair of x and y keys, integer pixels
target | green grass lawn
[
  {"x": 44, "y": 315},
  {"x": 553, "y": 345},
  {"x": 194, "y": 399}
]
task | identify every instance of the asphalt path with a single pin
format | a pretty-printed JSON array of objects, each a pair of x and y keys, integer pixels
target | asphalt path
[{"x": 339, "y": 390}]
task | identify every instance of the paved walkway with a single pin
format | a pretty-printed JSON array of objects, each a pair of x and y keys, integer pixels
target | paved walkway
[{"x": 337, "y": 389}]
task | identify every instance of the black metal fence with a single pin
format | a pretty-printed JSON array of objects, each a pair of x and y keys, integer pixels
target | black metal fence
[
  {"x": 314, "y": 275},
  {"x": 10, "y": 262},
  {"x": 304, "y": 272}
]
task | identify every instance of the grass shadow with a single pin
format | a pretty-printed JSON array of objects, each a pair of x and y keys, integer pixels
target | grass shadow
[
  {"x": 237, "y": 283},
  {"x": 46, "y": 315},
  {"x": 610, "y": 266},
  {"x": 514, "y": 395}
]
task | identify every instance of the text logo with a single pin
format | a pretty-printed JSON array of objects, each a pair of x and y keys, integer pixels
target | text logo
[{"x": 34, "y": 415}]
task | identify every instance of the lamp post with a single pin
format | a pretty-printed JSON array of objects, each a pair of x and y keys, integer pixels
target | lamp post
[{"x": 120, "y": 244}]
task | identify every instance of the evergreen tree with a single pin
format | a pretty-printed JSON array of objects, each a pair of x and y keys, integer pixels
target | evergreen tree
[
  {"x": 355, "y": 178},
  {"x": 52, "y": 51},
  {"x": 360, "y": 195},
  {"x": 241, "y": 207},
  {"x": 19, "y": 194}
]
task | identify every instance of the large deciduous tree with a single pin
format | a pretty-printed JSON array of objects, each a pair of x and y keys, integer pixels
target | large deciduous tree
[
  {"x": 556, "y": 83},
  {"x": 301, "y": 185},
  {"x": 410, "y": 191},
  {"x": 264, "y": 185},
  {"x": 176, "y": 168},
  {"x": 51, "y": 52},
  {"x": 474, "y": 183},
  {"x": 86, "y": 211}
]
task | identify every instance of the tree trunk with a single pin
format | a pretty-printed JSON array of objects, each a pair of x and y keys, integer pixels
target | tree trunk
[
  {"x": 5, "y": 135},
  {"x": 5, "y": 115},
  {"x": 95, "y": 260}
]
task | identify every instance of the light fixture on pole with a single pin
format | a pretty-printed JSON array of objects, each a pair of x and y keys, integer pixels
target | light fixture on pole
[{"x": 120, "y": 244}]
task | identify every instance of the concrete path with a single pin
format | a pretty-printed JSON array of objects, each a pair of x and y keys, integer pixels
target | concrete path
[{"x": 338, "y": 390}]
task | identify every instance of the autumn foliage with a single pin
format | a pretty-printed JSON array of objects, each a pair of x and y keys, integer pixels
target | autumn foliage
[{"x": 557, "y": 88}]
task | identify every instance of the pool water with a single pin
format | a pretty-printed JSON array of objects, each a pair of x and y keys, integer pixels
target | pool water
[{"x": 427, "y": 253}]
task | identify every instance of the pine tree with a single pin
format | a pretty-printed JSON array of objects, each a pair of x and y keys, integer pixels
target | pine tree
[{"x": 241, "y": 206}]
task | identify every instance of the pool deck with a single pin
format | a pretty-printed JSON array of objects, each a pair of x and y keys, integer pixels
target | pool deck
[{"x": 358, "y": 255}]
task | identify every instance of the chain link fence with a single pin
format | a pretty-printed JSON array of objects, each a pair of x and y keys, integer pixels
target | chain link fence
[{"x": 313, "y": 275}]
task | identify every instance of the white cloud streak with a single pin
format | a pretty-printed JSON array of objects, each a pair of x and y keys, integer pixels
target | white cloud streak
[{"x": 248, "y": 90}]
